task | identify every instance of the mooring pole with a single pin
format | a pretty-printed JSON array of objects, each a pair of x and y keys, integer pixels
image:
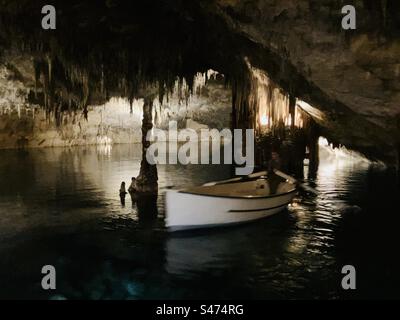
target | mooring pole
[{"x": 312, "y": 141}]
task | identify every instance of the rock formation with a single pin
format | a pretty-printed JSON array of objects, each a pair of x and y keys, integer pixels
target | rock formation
[{"x": 348, "y": 81}]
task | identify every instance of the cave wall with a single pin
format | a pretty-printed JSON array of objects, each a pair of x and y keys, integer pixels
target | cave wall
[
  {"x": 352, "y": 77},
  {"x": 116, "y": 122},
  {"x": 34, "y": 128}
]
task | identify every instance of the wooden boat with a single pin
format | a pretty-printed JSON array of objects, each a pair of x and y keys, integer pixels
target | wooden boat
[{"x": 226, "y": 203}]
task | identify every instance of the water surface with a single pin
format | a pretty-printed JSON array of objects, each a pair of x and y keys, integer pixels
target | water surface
[{"x": 61, "y": 207}]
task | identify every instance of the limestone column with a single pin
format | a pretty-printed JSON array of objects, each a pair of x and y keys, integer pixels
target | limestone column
[{"x": 147, "y": 181}]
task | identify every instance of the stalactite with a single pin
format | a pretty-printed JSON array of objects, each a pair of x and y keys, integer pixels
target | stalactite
[
  {"x": 274, "y": 114},
  {"x": 384, "y": 4},
  {"x": 260, "y": 103},
  {"x": 86, "y": 93},
  {"x": 36, "y": 67},
  {"x": 50, "y": 81},
  {"x": 45, "y": 76},
  {"x": 102, "y": 85},
  {"x": 61, "y": 69},
  {"x": 292, "y": 111}
]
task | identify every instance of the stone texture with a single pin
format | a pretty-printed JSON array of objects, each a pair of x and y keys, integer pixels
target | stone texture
[
  {"x": 352, "y": 77},
  {"x": 358, "y": 70},
  {"x": 26, "y": 125}
]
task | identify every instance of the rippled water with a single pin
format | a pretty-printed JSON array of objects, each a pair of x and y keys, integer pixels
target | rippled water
[{"x": 61, "y": 207}]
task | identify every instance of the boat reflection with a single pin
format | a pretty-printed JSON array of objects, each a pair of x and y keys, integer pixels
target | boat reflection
[{"x": 194, "y": 252}]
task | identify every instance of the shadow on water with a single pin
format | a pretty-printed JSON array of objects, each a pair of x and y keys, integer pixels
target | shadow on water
[{"x": 147, "y": 209}]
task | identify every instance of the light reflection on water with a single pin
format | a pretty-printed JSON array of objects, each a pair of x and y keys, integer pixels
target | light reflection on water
[{"x": 61, "y": 207}]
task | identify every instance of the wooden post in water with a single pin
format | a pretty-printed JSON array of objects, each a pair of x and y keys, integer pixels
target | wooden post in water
[{"x": 312, "y": 142}]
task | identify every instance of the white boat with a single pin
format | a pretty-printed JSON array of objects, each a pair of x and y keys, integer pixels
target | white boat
[{"x": 219, "y": 204}]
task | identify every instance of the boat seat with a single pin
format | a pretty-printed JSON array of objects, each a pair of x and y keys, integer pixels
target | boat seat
[{"x": 244, "y": 189}]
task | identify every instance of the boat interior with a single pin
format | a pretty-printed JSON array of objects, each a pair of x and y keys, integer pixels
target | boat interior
[{"x": 249, "y": 189}]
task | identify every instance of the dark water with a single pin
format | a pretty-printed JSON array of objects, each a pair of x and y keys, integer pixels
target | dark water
[{"x": 61, "y": 207}]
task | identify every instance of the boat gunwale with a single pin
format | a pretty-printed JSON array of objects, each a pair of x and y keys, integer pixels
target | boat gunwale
[
  {"x": 261, "y": 209},
  {"x": 240, "y": 197}
]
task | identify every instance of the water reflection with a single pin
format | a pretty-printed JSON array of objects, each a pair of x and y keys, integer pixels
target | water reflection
[
  {"x": 62, "y": 207},
  {"x": 147, "y": 209}
]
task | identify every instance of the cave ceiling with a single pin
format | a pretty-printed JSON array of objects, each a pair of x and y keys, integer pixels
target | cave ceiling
[{"x": 138, "y": 48}]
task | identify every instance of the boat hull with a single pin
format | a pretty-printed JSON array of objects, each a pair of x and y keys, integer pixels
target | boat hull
[{"x": 185, "y": 211}]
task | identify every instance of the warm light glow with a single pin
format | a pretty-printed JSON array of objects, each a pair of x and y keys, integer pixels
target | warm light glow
[
  {"x": 298, "y": 117},
  {"x": 199, "y": 82},
  {"x": 104, "y": 140},
  {"x": 272, "y": 103},
  {"x": 341, "y": 154},
  {"x": 264, "y": 120},
  {"x": 104, "y": 149},
  {"x": 314, "y": 112},
  {"x": 323, "y": 142},
  {"x": 288, "y": 121}
]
